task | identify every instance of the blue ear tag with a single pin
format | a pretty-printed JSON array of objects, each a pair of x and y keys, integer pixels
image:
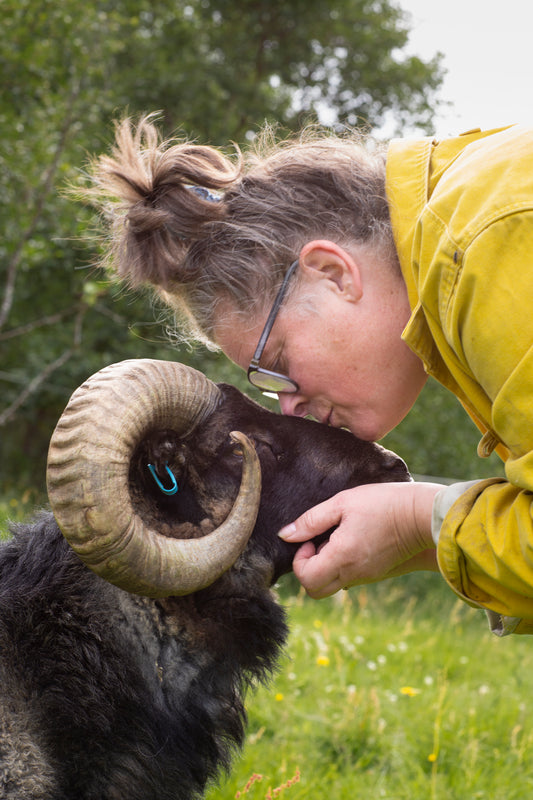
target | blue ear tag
[{"x": 173, "y": 489}]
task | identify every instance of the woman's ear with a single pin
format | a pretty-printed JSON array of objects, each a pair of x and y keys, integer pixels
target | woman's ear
[{"x": 323, "y": 259}]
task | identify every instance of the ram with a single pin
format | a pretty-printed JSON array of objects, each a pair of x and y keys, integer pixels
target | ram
[{"x": 126, "y": 680}]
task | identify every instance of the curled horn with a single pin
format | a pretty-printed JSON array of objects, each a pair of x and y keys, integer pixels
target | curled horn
[{"x": 88, "y": 478}]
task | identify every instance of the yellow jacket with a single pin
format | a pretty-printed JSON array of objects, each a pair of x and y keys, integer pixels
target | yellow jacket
[{"x": 462, "y": 214}]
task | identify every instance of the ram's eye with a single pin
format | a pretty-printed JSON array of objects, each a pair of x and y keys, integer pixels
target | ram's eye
[{"x": 234, "y": 450}]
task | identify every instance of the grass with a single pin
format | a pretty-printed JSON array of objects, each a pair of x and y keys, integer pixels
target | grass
[
  {"x": 14, "y": 508},
  {"x": 395, "y": 691}
]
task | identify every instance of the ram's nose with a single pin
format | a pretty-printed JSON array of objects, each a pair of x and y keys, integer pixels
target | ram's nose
[{"x": 396, "y": 467}]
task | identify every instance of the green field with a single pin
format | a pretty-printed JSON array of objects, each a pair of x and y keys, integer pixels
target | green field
[{"x": 394, "y": 691}]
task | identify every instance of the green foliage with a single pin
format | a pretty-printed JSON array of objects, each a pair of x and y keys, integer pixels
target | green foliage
[
  {"x": 393, "y": 691},
  {"x": 216, "y": 70}
]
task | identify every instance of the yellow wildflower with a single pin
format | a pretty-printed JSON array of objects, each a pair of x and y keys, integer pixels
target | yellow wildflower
[
  {"x": 279, "y": 697},
  {"x": 409, "y": 691},
  {"x": 323, "y": 661}
]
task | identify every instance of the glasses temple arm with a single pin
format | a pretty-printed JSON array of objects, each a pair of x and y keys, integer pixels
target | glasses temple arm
[{"x": 272, "y": 316}]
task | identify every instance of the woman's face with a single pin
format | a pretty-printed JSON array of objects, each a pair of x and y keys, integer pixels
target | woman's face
[{"x": 345, "y": 353}]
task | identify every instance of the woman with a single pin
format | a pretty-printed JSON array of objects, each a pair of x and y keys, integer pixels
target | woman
[{"x": 339, "y": 276}]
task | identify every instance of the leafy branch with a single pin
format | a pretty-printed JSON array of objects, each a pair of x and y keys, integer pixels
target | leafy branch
[
  {"x": 9, "y": 413},
  {"x": 45, "y": 189}
]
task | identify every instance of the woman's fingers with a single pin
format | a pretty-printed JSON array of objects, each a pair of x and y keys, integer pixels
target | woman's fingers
[{"x": 313, "y": 522}]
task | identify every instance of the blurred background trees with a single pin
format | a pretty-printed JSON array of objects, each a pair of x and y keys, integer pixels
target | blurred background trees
[{"x": 216, "y": 70}]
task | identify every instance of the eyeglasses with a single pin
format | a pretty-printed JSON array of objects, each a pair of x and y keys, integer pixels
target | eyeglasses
[{"x": 265, "y": 379}]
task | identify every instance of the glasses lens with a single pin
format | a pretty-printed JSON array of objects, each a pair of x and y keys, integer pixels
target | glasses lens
[{"x": 271, "y": 381}]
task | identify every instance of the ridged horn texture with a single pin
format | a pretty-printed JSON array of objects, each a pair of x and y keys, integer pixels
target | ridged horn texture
[{"x": 88, "y": 478}]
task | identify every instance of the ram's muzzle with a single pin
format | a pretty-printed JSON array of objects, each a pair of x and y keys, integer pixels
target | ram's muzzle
[{"x": 88, "y": 478}]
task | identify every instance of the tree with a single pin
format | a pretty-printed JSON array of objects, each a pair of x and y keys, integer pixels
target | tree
[
  {"x": 216, "y": 70},
  {"x": 342, "y": 60}
]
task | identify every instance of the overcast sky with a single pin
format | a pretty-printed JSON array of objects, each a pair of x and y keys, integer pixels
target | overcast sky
[{"x": 488, "y": 55}]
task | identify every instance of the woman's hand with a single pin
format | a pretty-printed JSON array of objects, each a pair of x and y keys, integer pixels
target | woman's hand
[{"x": 381, "y": 530}]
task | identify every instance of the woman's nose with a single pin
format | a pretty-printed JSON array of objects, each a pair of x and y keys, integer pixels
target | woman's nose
[{"x": 292, "y": 404}]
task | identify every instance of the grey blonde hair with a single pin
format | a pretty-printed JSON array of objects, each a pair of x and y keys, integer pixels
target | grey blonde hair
[{"x": 273, "y": 198}]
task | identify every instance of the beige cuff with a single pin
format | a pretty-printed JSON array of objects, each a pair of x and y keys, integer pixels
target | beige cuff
[{"x": 442, "y": 503}]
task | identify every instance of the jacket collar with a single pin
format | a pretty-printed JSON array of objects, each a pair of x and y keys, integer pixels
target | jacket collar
[{"x": 408, "y": 169}]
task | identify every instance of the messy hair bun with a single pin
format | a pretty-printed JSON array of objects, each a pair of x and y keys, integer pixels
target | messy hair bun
[
  {"x": 144, "y": 187},
  {"x": 201, "y": 226}
]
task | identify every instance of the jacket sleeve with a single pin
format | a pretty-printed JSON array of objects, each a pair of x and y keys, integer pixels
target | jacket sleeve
[
  {"x": 454, "y": 503},
  {"x": 485, "y": 547}
]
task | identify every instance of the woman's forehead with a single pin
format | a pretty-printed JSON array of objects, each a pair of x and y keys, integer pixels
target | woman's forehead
[{"x": 237, "y": 333}]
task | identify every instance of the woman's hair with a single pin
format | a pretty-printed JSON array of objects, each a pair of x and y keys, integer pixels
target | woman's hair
[{"x": 204, "y": 227}]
